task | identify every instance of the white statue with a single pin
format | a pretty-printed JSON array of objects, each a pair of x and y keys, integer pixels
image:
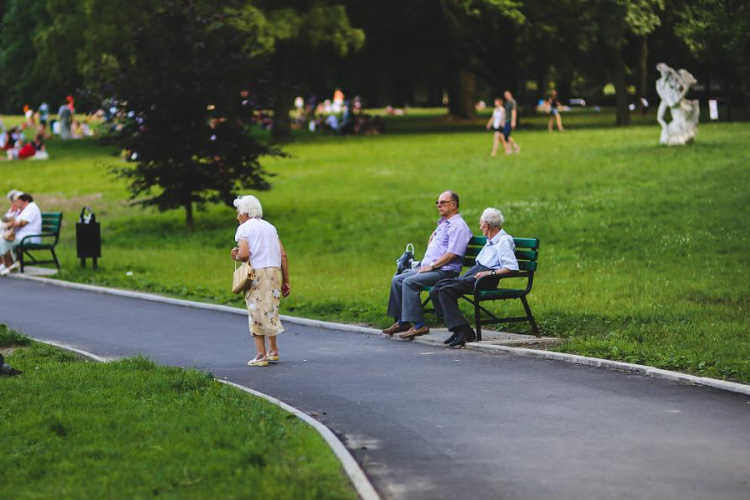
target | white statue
[{"x": 672, "y": 88}]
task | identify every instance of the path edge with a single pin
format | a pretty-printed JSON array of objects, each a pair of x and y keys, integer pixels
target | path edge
[
  {"x": 354, "y": 472},
  {"x": 649, "y": 371}
]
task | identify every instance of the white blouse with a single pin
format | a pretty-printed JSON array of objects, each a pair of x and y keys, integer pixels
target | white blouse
[{"x": 263, "y": 241}]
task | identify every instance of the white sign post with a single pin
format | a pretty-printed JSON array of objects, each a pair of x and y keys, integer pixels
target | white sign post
[{"x": 713, "y": 109}]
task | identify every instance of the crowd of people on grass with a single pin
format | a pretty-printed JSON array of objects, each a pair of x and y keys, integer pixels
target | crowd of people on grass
[
  {"x": 20, "y": 223},
  {"x": 41, "y": 125},
  {"x": 337, "y": 116}
]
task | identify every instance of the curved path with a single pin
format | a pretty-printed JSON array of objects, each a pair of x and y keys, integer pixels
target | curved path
[{"x": 432, "y": 423}]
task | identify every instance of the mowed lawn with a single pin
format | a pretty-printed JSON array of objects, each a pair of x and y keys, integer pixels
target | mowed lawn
[
  {"x": 77, "y": 429},
  {"x": 644, "y": 249}
]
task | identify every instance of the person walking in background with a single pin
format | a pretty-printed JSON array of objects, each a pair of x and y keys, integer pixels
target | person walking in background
[
  {"x": 258, "y": 242},
  {"x": 511, "y": 117},
  {"x": 28, "y": 117},
  {"x": 554, "y": 111},
  {"x": 44, "y": 114},
  {"x": 65, "y": 115},
  {"x": 497, "y": 124},
  {"x": 443, "y": 259}
]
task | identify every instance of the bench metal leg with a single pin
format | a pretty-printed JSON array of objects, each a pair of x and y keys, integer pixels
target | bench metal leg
[
  {"x": 477, "y": 320},
  {"x": 530, "y": 316},
  {"x": 54, "y": 256}
]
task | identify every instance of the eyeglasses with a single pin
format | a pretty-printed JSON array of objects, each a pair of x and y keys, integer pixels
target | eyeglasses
[{"x": 442, "y": 202}]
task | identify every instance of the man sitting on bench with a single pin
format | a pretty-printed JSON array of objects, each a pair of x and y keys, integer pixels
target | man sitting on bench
[
  {"x": 497, "y": 257},
  {"x": 443, "y": 259}
]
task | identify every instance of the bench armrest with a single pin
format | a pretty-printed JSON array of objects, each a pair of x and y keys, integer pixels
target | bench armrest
[
  {"x": 483, "y": 283},
  {"x": 41, "y": 235}
]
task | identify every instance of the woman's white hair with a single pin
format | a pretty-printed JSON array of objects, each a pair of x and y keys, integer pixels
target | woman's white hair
[
  {"x": 249, "y": 205},
  {"x": 493, "y": 217}
]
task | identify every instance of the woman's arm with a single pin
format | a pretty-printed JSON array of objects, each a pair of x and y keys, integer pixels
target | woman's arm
[
  {"x": 242, "y": 251},
  {"x": 286, "y": 288}
]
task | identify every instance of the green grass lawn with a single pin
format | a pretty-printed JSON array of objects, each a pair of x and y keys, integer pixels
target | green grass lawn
[
  {"x": 72, "y": 428},
  {"x": 643, "y": 248}
]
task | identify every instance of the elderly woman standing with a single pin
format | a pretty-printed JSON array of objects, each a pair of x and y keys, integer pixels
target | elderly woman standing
[{"x": 258, "y": 242}]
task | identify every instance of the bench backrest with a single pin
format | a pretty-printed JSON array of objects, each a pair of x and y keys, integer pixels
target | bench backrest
[
  {"x": 527, "y": 252},
  {"x": 51, "y": 222}
]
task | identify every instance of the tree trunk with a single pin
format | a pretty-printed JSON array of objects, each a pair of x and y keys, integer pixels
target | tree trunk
[
  {"x": 283, "y": 98},
  {"x": 642, "y": 87},
  {"x": 461, "y": 94},
  {"x": 385, "y": 89},
  {"x": 621, "y": 90},
  {"x": 189, "y": 216}
]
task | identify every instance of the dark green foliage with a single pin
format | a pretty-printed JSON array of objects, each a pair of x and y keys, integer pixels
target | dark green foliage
[
  {"x": 39, "y": 45},
  {"x": 716, "y": 31},
  {"x": 190, "y": 89}
]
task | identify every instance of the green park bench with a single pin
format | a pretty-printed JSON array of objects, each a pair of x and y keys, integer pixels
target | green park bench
[
  {"x": 527, "y": 253},
  {"x": 50, "y": 235}
]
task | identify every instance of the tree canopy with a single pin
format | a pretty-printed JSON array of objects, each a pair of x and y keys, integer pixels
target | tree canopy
[{"x": 415, "y": 52}]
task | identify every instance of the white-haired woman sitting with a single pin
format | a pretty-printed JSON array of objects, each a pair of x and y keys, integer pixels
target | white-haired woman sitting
[{"x": 258, "y": 242}]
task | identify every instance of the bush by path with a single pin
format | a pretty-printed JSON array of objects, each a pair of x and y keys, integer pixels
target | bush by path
[{"x": 644, "y": 248}]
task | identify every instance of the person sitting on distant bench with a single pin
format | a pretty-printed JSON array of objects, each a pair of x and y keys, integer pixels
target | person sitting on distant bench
[
  {"x": 496, "y": 258},
  {"x": 28, "y": 222},
  {"x": 7, "y": 231}
]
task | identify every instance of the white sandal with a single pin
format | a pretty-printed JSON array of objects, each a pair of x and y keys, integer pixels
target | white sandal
[{"x": 258, "y": 362}]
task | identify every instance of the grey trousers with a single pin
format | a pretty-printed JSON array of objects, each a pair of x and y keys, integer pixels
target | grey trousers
[
  {"x": 404, "y": 303},
  {"x": 445, "y": 295}
]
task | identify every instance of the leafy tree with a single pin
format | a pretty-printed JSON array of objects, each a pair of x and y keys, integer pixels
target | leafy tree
[
  {"x": 717, "y": 31},
  {"x": 189, "y": 89},
  {"x": 471, "y": 26},
  {"x": 38, "y": 49},
  {"x": 613, "y": 23}
]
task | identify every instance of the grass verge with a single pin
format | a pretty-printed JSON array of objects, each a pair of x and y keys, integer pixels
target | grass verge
[{"x": 73, "y": 428}]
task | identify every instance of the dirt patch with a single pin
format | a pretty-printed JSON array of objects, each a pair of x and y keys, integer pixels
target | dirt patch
[
  {"x": 64, "y": 203},
  {"x": 7, "y": 351}
]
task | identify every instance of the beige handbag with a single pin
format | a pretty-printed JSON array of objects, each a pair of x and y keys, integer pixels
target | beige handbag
[{"x": 242, "y": 277}]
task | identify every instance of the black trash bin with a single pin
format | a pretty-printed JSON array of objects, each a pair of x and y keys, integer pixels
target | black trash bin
[{"x": 88, "y": 237}]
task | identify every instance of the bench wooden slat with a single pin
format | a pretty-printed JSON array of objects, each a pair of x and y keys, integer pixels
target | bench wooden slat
[
  {"x": 526, "y": 254},
  {"x": 525, "y": 265},
  {"x": 530, "y": 243}
]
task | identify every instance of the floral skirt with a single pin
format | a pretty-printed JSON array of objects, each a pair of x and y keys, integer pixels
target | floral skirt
[{"x": 262, "y": 299}]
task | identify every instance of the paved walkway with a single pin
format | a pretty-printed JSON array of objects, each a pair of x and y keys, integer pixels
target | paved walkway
[{"x": 431, "y": 423}]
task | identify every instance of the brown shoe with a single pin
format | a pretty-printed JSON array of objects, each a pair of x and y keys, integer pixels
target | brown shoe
[
  {"x": 409, "y": 335},
  {"x": 396, "y": 328}
]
